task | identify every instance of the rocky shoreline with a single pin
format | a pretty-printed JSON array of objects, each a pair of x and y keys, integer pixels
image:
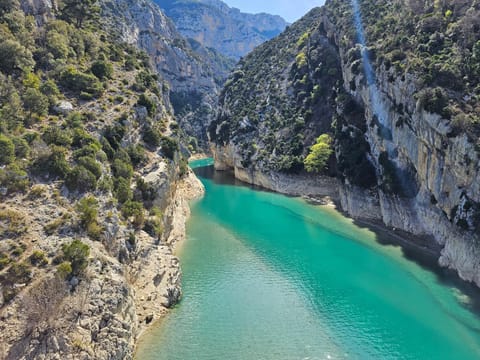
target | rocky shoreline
[
  {"x": 369, "y": 209},
  {"x": 148, "y": 297}
]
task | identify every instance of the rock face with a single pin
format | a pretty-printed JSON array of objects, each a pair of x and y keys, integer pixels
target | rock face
[
  {"x": 215, "y": 25},
  {"x": 193, "y": 73},
  {"x": 400, "y": 154}
]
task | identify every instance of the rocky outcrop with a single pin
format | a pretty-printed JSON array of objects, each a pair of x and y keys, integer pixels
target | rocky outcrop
[
  {"x": 395, "y": 158},
  {"x": 214, "y": 24}
]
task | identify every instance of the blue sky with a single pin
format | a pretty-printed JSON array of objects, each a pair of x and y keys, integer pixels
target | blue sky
[{"x": 290, "y": 10}]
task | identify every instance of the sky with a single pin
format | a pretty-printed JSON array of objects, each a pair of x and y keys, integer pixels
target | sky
[{"x": 290, "y": 10}]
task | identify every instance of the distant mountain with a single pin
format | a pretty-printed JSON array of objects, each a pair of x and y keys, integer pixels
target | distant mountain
[{"x": 216, "y": 25}]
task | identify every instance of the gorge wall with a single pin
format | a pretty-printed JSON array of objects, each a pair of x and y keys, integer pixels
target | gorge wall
[
  {"x": 405, "y": 135},
  {"x": 214, "y": 24}
]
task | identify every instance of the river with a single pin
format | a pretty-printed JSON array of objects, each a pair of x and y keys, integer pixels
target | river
[{"x": 267, "y": 276}]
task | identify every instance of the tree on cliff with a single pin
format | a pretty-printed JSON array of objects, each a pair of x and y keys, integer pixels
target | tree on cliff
[
  {"x": 79, "y": 11},
  {"x": 316, "y": 161}
]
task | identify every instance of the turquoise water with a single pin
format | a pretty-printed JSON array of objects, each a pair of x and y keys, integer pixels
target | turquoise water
[{"x": 272, "y": 277}]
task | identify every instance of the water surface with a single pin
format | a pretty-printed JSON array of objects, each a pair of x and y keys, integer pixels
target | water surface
[{"x": 272, "y": 277}]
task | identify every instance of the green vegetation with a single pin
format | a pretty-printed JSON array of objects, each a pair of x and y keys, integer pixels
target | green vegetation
[
  {"x": 271, "y": 126},
  {"x": 317, "y": 160},
  {"x": 75, "y": 258}
]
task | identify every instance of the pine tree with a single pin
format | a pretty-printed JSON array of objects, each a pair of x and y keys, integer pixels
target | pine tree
[{"x": 78, "y": 12}]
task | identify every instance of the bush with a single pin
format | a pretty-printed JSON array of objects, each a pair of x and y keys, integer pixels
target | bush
[
  {"x": 54, "y": 163},
  {"x": 56, "y": 136},
  {"x": 76, "y": 253},
  {"x": 35, "y": 102},
  {"x": 123, "y": 193},
  {"x": 19, "y": 273},
  {"x": 122, "y": 169},
  {"x": 136, "y": 154},
  {"x": 169, "y": 147},
  {"x": 22, "y": 149},
  {"x": 4, "y": 261},
  {"x": 64, "y": 270},
  {"x": 434, "y": 101},
  {"x": 91, "y": 165},
  {"x": 148, "y": 103},
  {"x": 81, "y": 83},
  {"x": 134, "y": 209},
  {"x": 14, "y": 179},
  {"x": 152, "y": 137},
  {"x": 38, "y": 258},
  {"x": 14, "y": 56},
  {"x": 80, "y": 179},
  {"x": 102, "y": 69},
  {"x": 7, "y": 150},
  {"x": 82, "y": 138},
  {"x": 88, "y": 209}
]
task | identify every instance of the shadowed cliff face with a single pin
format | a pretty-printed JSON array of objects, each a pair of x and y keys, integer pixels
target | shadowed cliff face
[
  {"x": 213, "y": 24},
  {"x": 399, "y": 94}
]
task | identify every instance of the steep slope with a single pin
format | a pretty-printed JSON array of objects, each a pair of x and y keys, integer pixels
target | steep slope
[
  {"x": 215, "y": 25},
  {"x": 403, "y": 114},
  {"x": 193, "y": 74},
  {"x": 91, "y": 187}
]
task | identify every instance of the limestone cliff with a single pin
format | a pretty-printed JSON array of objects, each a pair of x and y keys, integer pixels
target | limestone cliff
[
  {"x": 394, "y": 95},
  {"x": 192, "y": 73},
  {"x": 215, "y": 25}
]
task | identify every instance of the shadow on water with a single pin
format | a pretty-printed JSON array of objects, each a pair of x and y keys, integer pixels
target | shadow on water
[{"x": 421, "y": 250}]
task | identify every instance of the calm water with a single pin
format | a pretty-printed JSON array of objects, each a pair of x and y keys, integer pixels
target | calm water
[{"x": 272, "y": 277}]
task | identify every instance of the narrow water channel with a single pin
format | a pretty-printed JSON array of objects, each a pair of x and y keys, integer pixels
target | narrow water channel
[{"x": 273, "y": 277}]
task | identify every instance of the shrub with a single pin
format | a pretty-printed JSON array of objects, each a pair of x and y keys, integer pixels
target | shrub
[
  {"x": 102, "y": 69},
  {"x": 152, "y": 137},
  {"x": 12, "y": 224},
  {"x": 19, "y": 273},
  {"x": 123, "y": 193},
  {"x": 148, "y": 103},
  {"x": 38, "y": 258},
  {"x": 7, "y": 150},
  {"x": 169, "y": 147},
  {"x": 49, "y": 88},
  {"x": 14, "y": 179},
  {"x": 76, "y": 253},
  {"x": 75, "y": 119},
  {"x": 82, "y": 138},
  {"x": 14, "y": 56},
  {"x": 136, "y": 154},
  {"x": 54, "y": 163},
  {"x": 35, "y": 102},
  {"x": 22, "y": 149},
  {"x": 64, "y": 270},
  {"x": 434, "y": 101},
  {"x": 80, "y": 179},
  {"x": 88, "y": 209},
  {"x": 81, "y": 83},
  {"x": 134, "y": 209},
  {"x": 88, "y": 150},
  {"x": 56, "y": 136},
  {"x": 4, "y": 261},
  {"x": 91, "y": 165},
  {"x": 122, "y": 169}
]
